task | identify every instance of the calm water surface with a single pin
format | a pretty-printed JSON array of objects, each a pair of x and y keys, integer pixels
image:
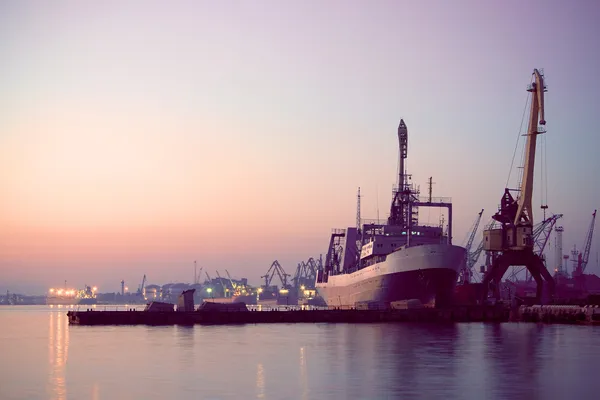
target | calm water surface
[{"x": 42, "y": 357}]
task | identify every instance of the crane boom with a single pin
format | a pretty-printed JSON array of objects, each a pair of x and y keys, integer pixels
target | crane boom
[
  {"x": 220, "y": 280},
  {"x": 142, "y": 286},
  {"x": 542, "y": 232},
  {"x": 466, "y": 271},
  {"x": 524, "y": 214},
  {"x": 233, "y": 285},
  {"x": 473, "y": 231},
  {"x": 584, "y": 258}
]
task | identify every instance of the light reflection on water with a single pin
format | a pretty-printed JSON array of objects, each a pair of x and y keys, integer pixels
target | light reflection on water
[
  {"x": 51, "y": 360},
  {"x": 303, "y": 374},
  {"x": 260, "y": 381},
  {"x": 58, "y": 351}
]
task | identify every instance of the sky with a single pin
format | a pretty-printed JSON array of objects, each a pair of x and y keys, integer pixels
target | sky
[{"x": 139, "y": 136}]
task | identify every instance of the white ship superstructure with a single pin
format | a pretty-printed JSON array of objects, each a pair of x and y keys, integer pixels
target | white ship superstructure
[{"x": 397, "y": 259}]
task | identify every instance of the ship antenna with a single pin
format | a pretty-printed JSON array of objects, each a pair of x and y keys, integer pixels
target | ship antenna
[
  {"x": 430, "y": 184},
  {"x": 377, "y": 197},
  {"x": 358, "y": 221}
]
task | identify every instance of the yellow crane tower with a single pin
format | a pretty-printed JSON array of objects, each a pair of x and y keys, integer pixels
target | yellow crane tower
[{"x": 512, "y": 243}]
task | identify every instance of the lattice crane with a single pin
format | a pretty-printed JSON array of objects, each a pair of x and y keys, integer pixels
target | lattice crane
[
  {"x": 306, "y": 273},
  {"x": 584, "y": 257},
  {"x": 467, "y": 271},
  {"x": 541, "y": 234},
  {"x": 233, "y": 285},
  {"x": 142, "y": 286},
  {"x": 276, "y": 268}
]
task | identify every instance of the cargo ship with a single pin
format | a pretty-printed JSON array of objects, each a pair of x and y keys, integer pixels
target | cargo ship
[
  {"x": 395, "y": 259},
  {"x": 69, "y": 297}
]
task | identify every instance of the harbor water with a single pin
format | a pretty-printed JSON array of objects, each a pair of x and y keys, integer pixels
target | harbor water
[{"x": 45, "y": 358}]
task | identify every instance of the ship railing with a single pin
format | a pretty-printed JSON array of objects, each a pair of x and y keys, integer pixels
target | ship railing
[
  {"x": 373, "y": 221},
  {"x": 380, "y": 307},
  {"x": 429, "y": 224},
  {"x": 252, "y": 308},
  {"x": 110, "y": 307},
  {"x": 377, "y": 222},
  {"x": 407, "y": 187},
  {"x": 306, "y": 307},
  {"x": 425, "y": 199}
]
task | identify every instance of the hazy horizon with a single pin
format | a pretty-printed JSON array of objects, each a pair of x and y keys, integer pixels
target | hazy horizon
[{"x": 138, "y": 137}]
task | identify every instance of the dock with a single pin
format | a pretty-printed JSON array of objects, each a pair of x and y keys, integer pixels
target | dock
[
  {"x": 339, "y": 315},
  {"x": 210, "y": 313}
]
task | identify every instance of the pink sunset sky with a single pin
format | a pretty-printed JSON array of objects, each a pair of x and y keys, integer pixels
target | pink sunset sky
[{"x": 139, "y": 136}]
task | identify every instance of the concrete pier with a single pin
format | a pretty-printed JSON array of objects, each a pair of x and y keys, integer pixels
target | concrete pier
[{"x": 558, "y": 314}]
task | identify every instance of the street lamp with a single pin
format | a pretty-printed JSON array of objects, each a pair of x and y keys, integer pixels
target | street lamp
[{"x": 209, "y": 290}]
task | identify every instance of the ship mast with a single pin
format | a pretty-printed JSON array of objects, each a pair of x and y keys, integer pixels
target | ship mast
[
  {"x": 399, "y": 212},
  {"x": 403, "y": 145}
]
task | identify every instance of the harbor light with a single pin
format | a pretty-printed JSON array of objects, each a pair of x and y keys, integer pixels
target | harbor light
[
  {"x": 51, "y": 290},
  {"x": 209, "y": 290},
  {"x": 260, "y": 290},
  {"x": 302, "y": 287},
  {"x": 94, "y": 289}
]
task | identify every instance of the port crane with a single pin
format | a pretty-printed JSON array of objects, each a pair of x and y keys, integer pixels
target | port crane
[
  {"x": 541, "y": 235},
  {"x": 233, "y": 285},
  {"x": 583, "y": 258},
  {"x": 197, "y": 274},
  {"x": 470, "y": 257},
  {"x": 276, "y": 268},
  {"x": 306, "y": 273},
  {"x": 209, "y": 282},
  {"x": 141, "y": 289},
  {"x": 225, "y": 290},
  {"x": 512, "y": 243}
]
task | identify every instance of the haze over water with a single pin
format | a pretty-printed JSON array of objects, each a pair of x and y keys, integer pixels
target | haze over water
[{"x": 45, "y": 358}]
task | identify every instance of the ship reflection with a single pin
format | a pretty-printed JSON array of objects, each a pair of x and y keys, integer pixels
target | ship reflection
[
  {"x": 514, "y": 351},
  {"x": 58, "y": 351},
  {"x": 185, "y": 343}
]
